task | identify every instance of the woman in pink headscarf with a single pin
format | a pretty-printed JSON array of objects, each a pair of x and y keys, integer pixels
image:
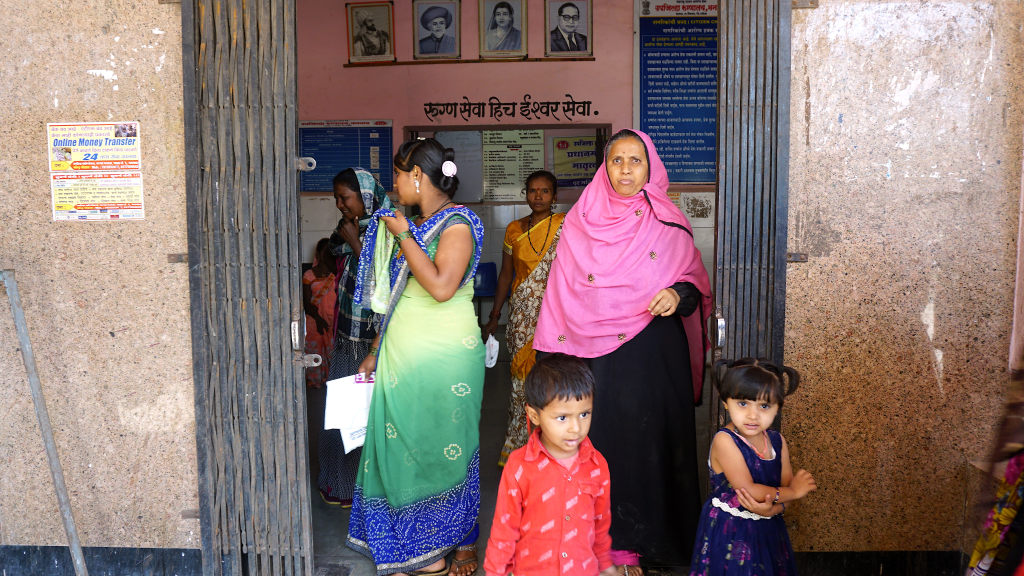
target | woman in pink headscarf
[{"x": 628, "y": 292}]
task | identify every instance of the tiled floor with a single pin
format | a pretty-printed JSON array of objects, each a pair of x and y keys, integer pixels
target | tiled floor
[{"x": 330, "y": 523}]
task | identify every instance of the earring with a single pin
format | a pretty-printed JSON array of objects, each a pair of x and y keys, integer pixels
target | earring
[{"x": 417, "y": 186}]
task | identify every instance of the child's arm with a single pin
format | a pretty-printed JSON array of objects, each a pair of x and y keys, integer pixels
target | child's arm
[
  {"x": 765, "y": 508},
  {"x": 508, "y": 514},
  {"x": 726, "y": 457},
  {"x": 603, "y": 521}
]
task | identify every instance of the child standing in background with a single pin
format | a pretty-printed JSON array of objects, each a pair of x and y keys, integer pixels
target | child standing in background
[
  {"x": 741, "y": 529},
  {"x": 553, "y": 512},
  {"x": 318, "y": 301}
]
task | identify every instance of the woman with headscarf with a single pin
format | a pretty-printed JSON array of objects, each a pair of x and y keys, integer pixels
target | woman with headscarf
[
  {"x": 357, "y": 194},
  {"x": 628, "y": 293},
  {"x": 417, "y": 495},
  {"x": 502, "y": 35}
]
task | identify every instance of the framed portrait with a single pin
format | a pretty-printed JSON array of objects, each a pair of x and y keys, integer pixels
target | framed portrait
[
  {"x": 436, "y": 27},
  {"x": 568, "y": 28},
  {"x": 371, "y": 27},
  {"x": 502, "y": 28}
]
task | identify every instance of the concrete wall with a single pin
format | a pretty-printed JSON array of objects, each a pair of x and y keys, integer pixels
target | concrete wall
[
  {"x": 905, "y": 178},
  {"x": 109, "y": 317}
]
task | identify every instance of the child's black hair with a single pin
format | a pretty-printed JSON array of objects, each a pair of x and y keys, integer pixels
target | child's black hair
[
  {"x": 754, "y": 379},
  {"x": 558, "y": 377}
]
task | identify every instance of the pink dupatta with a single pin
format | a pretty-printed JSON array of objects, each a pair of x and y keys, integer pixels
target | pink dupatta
[{"x": 614, "y": 255}]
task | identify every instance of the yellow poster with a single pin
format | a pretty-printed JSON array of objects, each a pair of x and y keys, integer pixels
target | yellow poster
[
  {"x": 94, "y": 146},
  {"x": 575, "y": 160},
  {"x": 97, "y": 196}
]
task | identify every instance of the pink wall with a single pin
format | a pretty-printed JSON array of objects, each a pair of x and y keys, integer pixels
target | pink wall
[{"x": 328, "y": 90}]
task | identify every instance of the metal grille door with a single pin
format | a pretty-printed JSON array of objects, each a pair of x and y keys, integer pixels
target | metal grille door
[
  {"x": 245, "y": 280},
  {"x": 753, "y": 173}
]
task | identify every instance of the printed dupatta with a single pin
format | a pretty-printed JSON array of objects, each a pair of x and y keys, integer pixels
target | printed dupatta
[{"x": 382, "y": 277}]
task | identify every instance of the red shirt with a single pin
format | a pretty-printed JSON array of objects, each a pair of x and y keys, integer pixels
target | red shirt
[{"x": 549, "y": 520}]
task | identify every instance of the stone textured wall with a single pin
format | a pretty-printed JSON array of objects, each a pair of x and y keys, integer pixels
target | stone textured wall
[
  {"x": 109, "y": 317},
  {"x": 906, "y": 137}
]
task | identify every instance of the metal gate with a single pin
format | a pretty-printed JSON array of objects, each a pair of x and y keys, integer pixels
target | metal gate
[
  {"x": 244, "y": 274},
  {"x": 753, "y": 174}
]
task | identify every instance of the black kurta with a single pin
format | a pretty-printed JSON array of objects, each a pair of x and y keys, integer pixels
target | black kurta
[{"x": 644, "y": 426}]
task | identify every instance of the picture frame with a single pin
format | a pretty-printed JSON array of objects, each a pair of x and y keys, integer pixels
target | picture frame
[
  {"x": 565, "y": 30},
  {"x": 371, "y": 32},
  {"x": 437, "y": 29},
  {"x": 499, "y": 15}
]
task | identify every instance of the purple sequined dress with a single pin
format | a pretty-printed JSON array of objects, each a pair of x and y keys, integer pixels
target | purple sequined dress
[{"x": 733, "y": 541}]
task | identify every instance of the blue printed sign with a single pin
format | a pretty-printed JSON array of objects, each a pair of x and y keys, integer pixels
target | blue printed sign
[
  {"x": 340, "y": 144},
  {"x": 679, "y": 92}
]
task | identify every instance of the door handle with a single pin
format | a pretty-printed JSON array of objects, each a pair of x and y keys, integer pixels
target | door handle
[{"x": 720, "y": 333}]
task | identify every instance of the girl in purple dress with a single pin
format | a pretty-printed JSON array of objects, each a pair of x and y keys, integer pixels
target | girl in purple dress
[{"x": 741, "y": 530}]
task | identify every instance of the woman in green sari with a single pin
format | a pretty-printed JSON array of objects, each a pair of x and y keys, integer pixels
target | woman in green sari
[{"x": 417, "y": 495}]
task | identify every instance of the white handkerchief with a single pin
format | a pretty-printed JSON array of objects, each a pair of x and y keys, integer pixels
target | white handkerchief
[
  {"x": 348, "y": 408},
  {"x": 491, "y": 354}
]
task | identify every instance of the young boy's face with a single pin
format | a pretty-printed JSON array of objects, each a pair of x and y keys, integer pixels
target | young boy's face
[{"x": 563, "y": 425}]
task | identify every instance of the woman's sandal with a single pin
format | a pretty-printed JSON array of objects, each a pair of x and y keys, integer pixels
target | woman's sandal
[
  {"x": 456, "y": 564},
  {"x": 442, "y": 572},
  {"x": 630, "y": 571}
]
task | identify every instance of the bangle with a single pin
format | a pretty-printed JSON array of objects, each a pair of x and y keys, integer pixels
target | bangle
[
  {"x": 777, "y": 497},
  {"x": 374, "y": 351},
  {"x": 783, "y": 507},
  {"x": 403, "y": 236},
  {"x": 495, "y": 314}
]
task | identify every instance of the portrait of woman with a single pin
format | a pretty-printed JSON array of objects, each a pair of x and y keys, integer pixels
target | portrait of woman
[{"x": 503, "y": 28}]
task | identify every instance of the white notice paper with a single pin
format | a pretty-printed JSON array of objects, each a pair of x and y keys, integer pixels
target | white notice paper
[{"x": 348, "y": 408}]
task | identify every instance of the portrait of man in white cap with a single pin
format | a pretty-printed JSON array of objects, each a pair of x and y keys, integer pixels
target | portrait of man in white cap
[
  {"x": 436, "y": 31},
  {"x": 370, "y": 36}
]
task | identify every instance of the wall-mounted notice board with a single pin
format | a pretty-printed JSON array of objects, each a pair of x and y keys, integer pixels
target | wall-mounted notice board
[
  {"x": 340, "y": 144},
  {"x": 509, "y": 157},
  {"x": 679, "y": 84}
]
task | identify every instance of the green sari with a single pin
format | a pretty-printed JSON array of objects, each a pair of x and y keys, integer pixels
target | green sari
[{"x": 418, "y": 490}]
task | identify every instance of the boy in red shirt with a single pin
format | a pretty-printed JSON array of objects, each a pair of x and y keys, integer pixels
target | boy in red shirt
[{"x": 553, "y": 513}]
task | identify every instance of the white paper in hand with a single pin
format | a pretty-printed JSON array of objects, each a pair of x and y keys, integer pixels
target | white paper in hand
[
  {"x": 491, "y": 351},
  {"x": 348, "y": 408}
]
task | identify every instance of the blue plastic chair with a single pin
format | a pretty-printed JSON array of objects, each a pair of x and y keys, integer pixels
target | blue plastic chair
[{"x": 485, "y": 283}]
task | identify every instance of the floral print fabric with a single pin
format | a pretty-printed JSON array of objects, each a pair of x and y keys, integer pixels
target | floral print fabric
[{"x": 729, "y": 543}]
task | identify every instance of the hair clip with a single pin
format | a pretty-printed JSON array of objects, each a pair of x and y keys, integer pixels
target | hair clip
[{"x": 449, "y": 169}]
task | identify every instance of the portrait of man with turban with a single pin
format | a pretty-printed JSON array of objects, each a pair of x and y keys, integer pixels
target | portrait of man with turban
[
  {"x": 371, "y": 37},
  {"x": 437, "y": 29}
]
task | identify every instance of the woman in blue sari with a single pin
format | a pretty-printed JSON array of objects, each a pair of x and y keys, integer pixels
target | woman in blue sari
[{"x": 417, "y": 495}]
